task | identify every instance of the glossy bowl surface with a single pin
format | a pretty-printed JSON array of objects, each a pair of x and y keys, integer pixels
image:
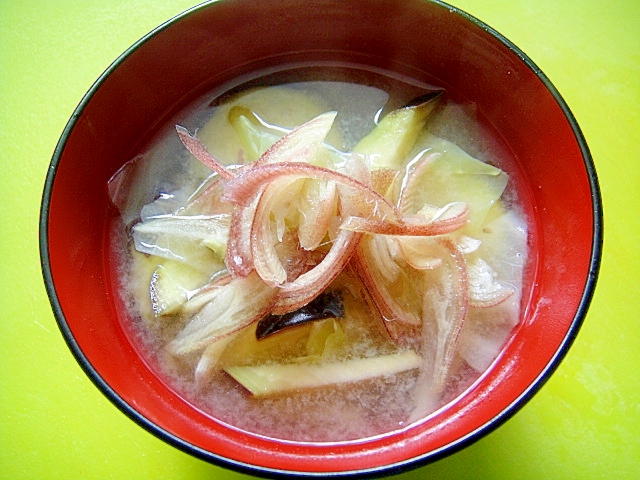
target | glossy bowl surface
[{"x": 218, "y": 43}]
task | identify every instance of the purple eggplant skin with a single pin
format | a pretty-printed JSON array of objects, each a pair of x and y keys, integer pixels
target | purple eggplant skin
[{"x": 326, "y": 305}]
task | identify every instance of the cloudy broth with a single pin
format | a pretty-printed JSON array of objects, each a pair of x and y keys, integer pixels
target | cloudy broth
[{"x": 162, "y": 180}]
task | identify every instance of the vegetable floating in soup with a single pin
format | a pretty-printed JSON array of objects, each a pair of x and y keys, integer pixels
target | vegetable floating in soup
[{"x": 309, "y": 267}]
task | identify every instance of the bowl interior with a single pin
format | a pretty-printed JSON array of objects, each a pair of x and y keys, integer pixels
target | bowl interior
[{"x": 221, "y": 43}]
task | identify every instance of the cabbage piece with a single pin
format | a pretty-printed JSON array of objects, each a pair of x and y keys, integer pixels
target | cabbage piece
[
  {"x": 504, "y": 247},
  {"x": 199, "y": 241},
  {"x": 254, "y": 135},
  {"x": 444, "y": 174},
  {"x": 279, "y": 106}
]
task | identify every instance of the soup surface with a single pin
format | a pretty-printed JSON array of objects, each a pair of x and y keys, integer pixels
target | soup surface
[{"x": 320, "y": 260}]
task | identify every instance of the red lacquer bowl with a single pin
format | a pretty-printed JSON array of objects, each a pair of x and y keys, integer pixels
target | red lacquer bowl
[{"x": 216, "y": 43}]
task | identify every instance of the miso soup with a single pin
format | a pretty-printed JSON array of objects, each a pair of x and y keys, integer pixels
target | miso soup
[{"x": 321, "y": 259}]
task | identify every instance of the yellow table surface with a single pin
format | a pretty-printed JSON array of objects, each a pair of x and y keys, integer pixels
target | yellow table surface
[{"x": 584, "y": 423}]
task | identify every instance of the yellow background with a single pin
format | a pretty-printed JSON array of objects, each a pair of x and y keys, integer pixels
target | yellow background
[{"x": 585, "y": 423}]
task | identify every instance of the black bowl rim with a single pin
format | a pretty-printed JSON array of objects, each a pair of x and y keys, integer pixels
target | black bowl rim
[{"x": 415, "y": 462}]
